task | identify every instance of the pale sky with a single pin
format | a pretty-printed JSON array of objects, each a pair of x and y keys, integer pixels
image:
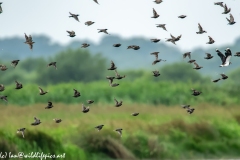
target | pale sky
[{"x": 126, "y": 18}]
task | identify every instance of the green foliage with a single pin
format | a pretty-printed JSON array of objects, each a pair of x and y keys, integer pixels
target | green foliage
[
  {"x": 72, "y": 66},
  {"x": 138, "y": 91}
]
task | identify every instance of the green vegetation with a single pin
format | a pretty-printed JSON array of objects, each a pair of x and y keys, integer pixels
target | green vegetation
[
  {"x": 157, "y": 133},
  {"x": 138, "y": 91}
]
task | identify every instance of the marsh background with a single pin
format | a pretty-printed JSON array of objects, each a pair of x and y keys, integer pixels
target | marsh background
[{"x": 163, "y": 130}]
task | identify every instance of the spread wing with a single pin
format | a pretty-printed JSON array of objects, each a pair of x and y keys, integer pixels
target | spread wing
[
  {"x": 208, "y": 54},
  {"x": 154, "y": 12},
  {"x": 172, "y": 36},
  {"x": 26, "y": 37},
  {"x": 69, "y": 32},
  {"x": 96, "y": 1},
  {"x": 115, "y": 100},
  {"x": 225, "y": 8},
  {"x": 110, "y": 81},
  {"x": 116, "y": 73},
  {"x": 40, "y": 90},
  {"x": 200, "y": 27},
  {"x": 196, "y": 64},
  {"x": 231, "y": 18},
  {"x": 210, "y": 39},
  {"x": 105, "y": 31},
  {"x": 179, "y": 37},
  {"x": 156, "y": 54},
  {"x": 221, "y": 56},
  {"x": 83, "y": 107},
  {"x": 49, "y": 103},
  {"x": 112, "y": 64},
  {"x": 228, "y": 55}
]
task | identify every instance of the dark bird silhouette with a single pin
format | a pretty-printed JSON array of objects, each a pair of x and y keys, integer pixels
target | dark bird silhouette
[
  {"x": 3, "y": 67},
  {"x": 163, "y": 26},
  {"x": 155, "y": 14},
  {"x": 29, "y": 41},
  {"x": 41, "y": 92},
  {"x": 54, "y": 64},
  {"x": 216, "y": 80},
  {"x": 155, "y": 54},
  {"x": 225, "y": 59},
  {"x": 185, "y": 106},
  {"x": 117, "y": 45},
  {"x": 99, "y": 127},
  {"x": 118, "y": 76},
  {"x": 195, "y": 92},
  {"x": 14, "y": 63},
  {"x": 57, "y": 120},
  {"x": 37, "y": 122},
  {"x": 209, "y": 56},
  {"x": 156, "y": 73},
  {"x": 135, "y": 114},
  {"x": 155, "y": 40},
  {"x": 1, "y": 8},
  {"x": 18, "y": 85},
  {"x": 211, "y": 41},
  {"x": 201, "y": 31},
  {"x": 103, "y": 30},
  {"x": 158, "y": 1},
  {"x": 112, "y": 67},
  {"x": 224, "y": 76},
  {"x": 135, "y": 47},
  {"x": 2, "y": 88},
  {"x": 96, "y": 1},
  {"x": 226, "y": 9},
  {"x": 90, "y": 101},
  {"x": 4, "y": 98},
  {"x": 237, "y": 54},
  {"x": 85, "y": 45},
  {"x": 191, "y": 61},
  {"x": 117, "y": 104},
  {"x": 157, "y": 61},
  {"x": 197, "y": 66},
  {"x": 75, "y": 16},
  {"x": 89, "y": 23},
  {"x": 49, "y": 106},
  {"x": 85, "y": 109},
  {"x": 111, "y": 83},
  {"x": 187, "y": 54},
  {"x": 182, "y": 16},
  {"x": 21, "y": 130},
  {"x": 71, "y": 33},
  {"x": 189, "y": 110},
  {"x": 231, "y": 20},
  {"x": 76, "y": 93},
  {"x": 219, "y": 3},
  {"x": 119, "y": 130}
]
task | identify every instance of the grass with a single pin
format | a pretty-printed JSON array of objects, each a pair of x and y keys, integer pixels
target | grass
[
  {"x": 154, "y": 93},
  {"x": 158, "y": 132}
]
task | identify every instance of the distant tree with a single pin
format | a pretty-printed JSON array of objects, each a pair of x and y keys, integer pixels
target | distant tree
[
  {"x": 180, "y": 72},
  {"x": 73, "y": 65}
]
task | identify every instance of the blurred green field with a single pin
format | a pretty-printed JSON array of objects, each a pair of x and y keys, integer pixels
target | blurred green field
[
  {"x": 158, "y": 132},
  {"x": 140, "y": 91}
]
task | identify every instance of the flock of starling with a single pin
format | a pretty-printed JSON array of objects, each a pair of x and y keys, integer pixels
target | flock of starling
[{"x": 173, "y": 39}]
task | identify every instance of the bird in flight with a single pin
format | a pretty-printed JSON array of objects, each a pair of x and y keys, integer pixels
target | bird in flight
[
  {"x": 201, "y": 31},
  {"x": 163, "y": 26},
  {"x": 155, "y": 14},
  {"x": 226, "y": 9},
  {"x": 21, "y": 130},
  {"x": 225, "y": 58},
  {"x": 231, "y": 20},
  {"x": 75, "y": 16}
]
